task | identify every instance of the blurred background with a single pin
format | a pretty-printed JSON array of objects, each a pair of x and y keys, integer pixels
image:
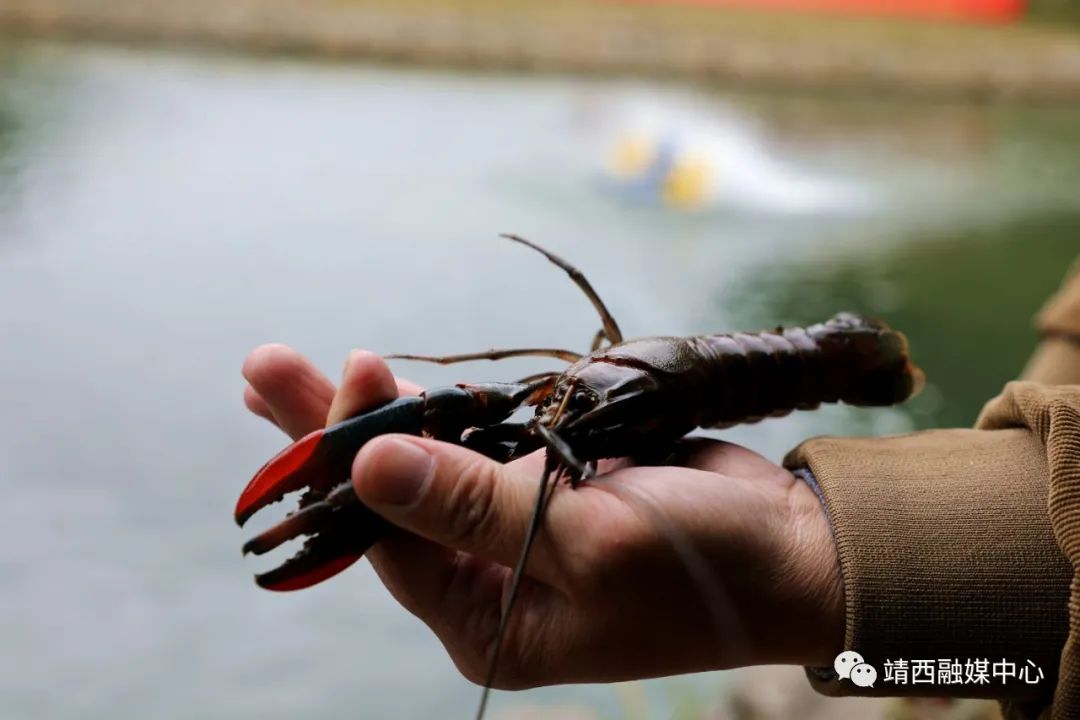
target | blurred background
[{"x": 181, "y": 183}]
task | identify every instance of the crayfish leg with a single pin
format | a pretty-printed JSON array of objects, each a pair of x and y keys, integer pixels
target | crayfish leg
[
  {"x": 494, "y": 354},
  {"x": 502, "y": 442}
]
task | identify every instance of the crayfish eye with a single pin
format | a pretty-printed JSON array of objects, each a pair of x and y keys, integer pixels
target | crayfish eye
[{"x": 580, "y": 399}]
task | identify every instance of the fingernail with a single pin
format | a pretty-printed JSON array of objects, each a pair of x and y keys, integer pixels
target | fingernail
[{"x": 396, "y": 477}]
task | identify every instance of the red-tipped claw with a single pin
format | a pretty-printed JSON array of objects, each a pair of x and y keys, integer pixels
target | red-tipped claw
[
  {"x": 340, "y": 527},
  {"x": 291, "y": 469}
]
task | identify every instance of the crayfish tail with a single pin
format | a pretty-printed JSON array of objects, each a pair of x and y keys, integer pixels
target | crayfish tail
[
  {"x": 868, "y": 363},
  {"x": 848, "y": 358}
]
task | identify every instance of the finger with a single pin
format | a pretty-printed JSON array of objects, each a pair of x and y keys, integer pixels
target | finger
[
  {"x": 456, "y": 497},
  {"x": 254, "y": 402},
  {"x": 365, "y": 382},
  {"x": 293, "y": 390},
  {"x": 407, "y": 387}
]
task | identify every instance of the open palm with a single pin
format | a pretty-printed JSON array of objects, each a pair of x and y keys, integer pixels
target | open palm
[{"x": 718, "y": 560}]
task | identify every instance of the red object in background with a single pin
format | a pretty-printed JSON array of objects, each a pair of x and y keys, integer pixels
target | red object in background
[{"x": 978, "y": 10}]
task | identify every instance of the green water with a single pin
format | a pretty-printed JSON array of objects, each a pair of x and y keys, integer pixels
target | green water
[
  {"x": 161, "y": 214},
  {"x": 964, "y": 298}
]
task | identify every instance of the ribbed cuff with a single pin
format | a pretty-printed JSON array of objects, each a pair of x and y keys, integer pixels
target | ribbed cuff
[{"x": 946, "y": 553}]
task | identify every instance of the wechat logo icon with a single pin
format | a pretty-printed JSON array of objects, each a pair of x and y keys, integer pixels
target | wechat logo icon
[{"x": 849, "y": 665}]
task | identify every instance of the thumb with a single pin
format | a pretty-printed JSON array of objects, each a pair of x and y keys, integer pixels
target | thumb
[{"x": 452, "y": 496}]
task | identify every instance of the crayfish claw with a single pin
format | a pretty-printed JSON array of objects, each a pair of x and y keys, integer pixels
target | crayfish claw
[
  {"x": 305, "y": 521},
  {"x": 341, "y": 528},
  {"x": 288, "y": 471},
  {"x": 323, "y": 458},
  {"x": 303, "y": 571}
]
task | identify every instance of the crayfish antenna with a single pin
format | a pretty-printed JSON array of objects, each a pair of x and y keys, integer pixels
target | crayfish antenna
[
  {"x": 559, "y": 447},
  {"x": 543, "y": 496}
]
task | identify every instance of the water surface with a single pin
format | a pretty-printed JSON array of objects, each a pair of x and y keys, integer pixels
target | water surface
[{"x": 161, "y": 214}]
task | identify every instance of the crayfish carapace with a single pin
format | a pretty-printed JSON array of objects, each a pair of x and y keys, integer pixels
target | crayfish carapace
[{"x": 624, "y": 398}]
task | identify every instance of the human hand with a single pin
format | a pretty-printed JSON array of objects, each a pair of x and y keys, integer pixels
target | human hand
[{"x": 721, "y": 559}]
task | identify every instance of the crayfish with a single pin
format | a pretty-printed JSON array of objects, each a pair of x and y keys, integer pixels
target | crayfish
[{"x": 622, "y": 398}]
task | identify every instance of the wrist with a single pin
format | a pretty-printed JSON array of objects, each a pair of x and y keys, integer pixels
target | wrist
[{"x": 814, "y": 594}]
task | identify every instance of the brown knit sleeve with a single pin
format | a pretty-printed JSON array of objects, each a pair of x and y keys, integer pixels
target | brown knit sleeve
[
  {"x": 1052, "y": 415},
  {"x": 946, "y": 552}
]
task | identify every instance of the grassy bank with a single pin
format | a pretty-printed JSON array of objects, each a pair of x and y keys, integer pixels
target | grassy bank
[
  {"x": 697, "y": 43},
  {"x": 1062, "y": 11}
]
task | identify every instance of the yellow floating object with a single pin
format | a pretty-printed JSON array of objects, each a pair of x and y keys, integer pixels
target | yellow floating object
[
  {"x": 632, "y": 156},
  {"x": 686, "y": 185}
]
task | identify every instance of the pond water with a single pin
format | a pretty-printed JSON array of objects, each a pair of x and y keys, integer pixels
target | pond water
[{"x": 163, "y": 213}]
